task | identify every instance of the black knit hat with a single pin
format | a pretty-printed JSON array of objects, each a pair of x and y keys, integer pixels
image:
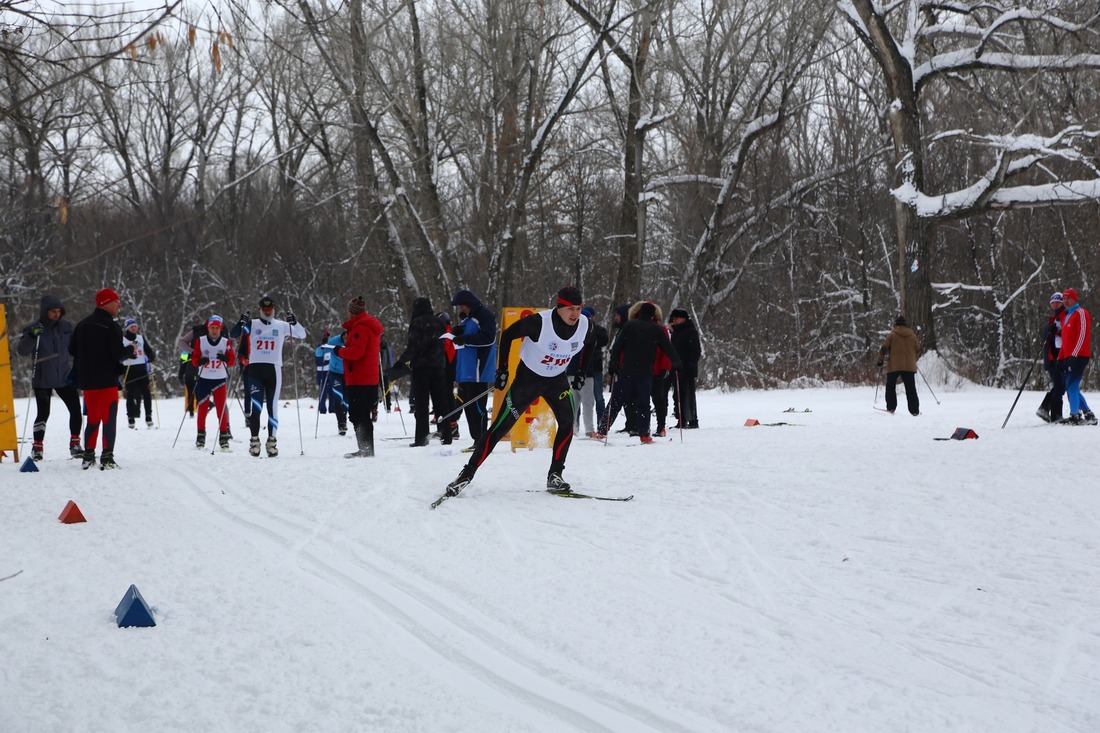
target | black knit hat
[
  {"x": 647, "y": 310},
  {"x": 569, "y": 296},
  {"x": 678, "y": 313},
  {"x": 900, "y": 321}
]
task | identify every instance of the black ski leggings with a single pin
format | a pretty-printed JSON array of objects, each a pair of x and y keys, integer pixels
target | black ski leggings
[
  {"x": 526, "y": 388},
  {"x": 69, "y": 396}
]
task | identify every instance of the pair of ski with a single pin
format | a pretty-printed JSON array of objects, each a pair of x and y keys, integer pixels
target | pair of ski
[{"x": 564, "y": 494}]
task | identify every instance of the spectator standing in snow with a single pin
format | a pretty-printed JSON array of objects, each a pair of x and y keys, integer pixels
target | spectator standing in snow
[
  {"x": 46, "y": 341},
  {"x": 550, "y": 340},
  {"x": 137, "y": 375},
  {"x": 97, "y": 348},
  {"x": 475, "y": 342},
  {"x": 425, "y": 357},
  {"x": 337, "y": 400},
  {"x": 899, "y": 353},
  {"x": 631, "y": 360},
  {"x": 1051, "y": 408},
  {"x": 1075, "y": 354},
  {"x": 685, "y": 339},
  {"x": 590, "y": 399},
  {"x": 262, "y": 352},
  {"x": 363, "y": 336}
]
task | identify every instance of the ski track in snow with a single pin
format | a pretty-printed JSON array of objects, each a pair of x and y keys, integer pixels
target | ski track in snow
[{"x": 442, "y": 636}]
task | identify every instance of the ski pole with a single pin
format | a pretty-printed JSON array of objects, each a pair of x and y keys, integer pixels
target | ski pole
[
  {"x": 676, "y": 385},
  {"x": 320, "y": 398},
  {"x": 1022, "y": 385},
  {"x": 297, "y": 405},
  {"x": 878, "y": 383},
  {"x": 929, "y": 386},
  {"x": 607, "y": 415},
  {"x": 472, "y": 399},
  {"x": 153, "y": 389},
  {"x": 184, "y": 418},
  {"x": 34, "y": 373}
]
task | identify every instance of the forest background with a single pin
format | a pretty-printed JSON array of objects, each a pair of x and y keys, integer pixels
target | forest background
[{"x": 794, "y": 174}]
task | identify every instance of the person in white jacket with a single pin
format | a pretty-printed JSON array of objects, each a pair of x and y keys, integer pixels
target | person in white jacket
[{"x": 262, "y": 354}]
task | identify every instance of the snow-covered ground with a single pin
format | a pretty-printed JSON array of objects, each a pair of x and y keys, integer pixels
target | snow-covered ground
[{"x": 848, "y": 573}]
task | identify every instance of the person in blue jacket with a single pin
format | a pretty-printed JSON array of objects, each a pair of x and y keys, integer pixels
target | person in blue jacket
[
  {"x": 334, "y": 378},
  {"x": 475, "y": 340}
]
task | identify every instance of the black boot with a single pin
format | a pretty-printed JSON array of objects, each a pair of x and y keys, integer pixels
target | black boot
[{"x": 365, "y": 442}]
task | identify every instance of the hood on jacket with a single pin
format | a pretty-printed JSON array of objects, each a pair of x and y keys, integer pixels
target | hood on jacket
[
  {"x": 422, "y": 307},
  {"x": 623, "y": 311},
  {"x": 467, "y": 298},
  {"x": 636, "y": 311},
  {"x": 48, "y": 303}
]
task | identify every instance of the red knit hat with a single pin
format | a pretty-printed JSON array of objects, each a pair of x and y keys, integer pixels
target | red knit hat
[
  {"x": 1069, "y": 293},
  {"x": 105, "y": 296}
]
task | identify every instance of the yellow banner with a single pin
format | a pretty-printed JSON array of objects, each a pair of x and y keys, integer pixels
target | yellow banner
[
  {"x": 536, "y": 427},
  {"x": 9, "y": 437}
]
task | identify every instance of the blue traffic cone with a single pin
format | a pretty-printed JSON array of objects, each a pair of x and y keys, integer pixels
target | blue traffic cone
[{"x": 28, "y": 466}]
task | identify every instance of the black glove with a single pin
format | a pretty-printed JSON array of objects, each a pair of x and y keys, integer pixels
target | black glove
[
  {"x": 204, "y": 361},
  {"x": 502, "y": 379},
  {"x": 578, "y": 382},
  {"x": 221, "y": 356},
  {"x": 246, "y": 319},
  {"x": 35, "y": 329},
  {"x": 458, "y": 340},
  {"x": 291, "y": 319}
]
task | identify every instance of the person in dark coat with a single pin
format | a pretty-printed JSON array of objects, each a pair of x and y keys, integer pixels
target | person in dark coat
[
  {"x": 685, "y": 339},
  {"x": 475, "y": 359},
  {"x": 46, "y": 341},
  {"x": 899, "y": 353},
  {"x": 1051, "y": 408},
  {"x": 98, "y": 350},
  {"x": 631, "y": 360},
  {"x": 425, "y": 359}
]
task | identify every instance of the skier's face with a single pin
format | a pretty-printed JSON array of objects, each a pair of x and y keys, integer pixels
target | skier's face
[
  {"x": 53, "y": 314},
  {"x": 215, "y": 330},
  {"x": 267, "y": 313},
  {"x": 570, "y": 313}
]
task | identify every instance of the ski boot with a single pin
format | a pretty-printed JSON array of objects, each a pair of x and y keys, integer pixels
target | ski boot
[
  {"x": 107, "y": 461},
  {"x": 254, "y": 446},
  {"x": 646, "y": 440},
  {"x": 464, "y": 478},
  {"x": 74, "y": 447},
  {"x": 342, "y": 427},
  {"x": 200, "y": 440},
  {"x": 131, "y": 423},
  {"x": 36, "y": 451},
  {"x": 88, "y": 459},
  {"x": 149, "y": 423},
  {"x": 1089, "y": 417},
  {"x": 555, "y": 484},
  {"x": 272, "y": 448},
  {"x": 223, "y": 443}
]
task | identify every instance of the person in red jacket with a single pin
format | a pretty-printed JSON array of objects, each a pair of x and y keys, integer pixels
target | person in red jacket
[
  {"x": 361, "y": 372},
  {"x": 1075, "y": 354}
]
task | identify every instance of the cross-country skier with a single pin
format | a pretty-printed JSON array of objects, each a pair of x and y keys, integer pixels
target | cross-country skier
[
  {"x": 550, "y": 340},
  {"x": 262, "y": 353},
  {"x": 211, "y": 354}
]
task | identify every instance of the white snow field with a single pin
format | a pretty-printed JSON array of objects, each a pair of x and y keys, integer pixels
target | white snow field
[{"x": 848, "y": 573}]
